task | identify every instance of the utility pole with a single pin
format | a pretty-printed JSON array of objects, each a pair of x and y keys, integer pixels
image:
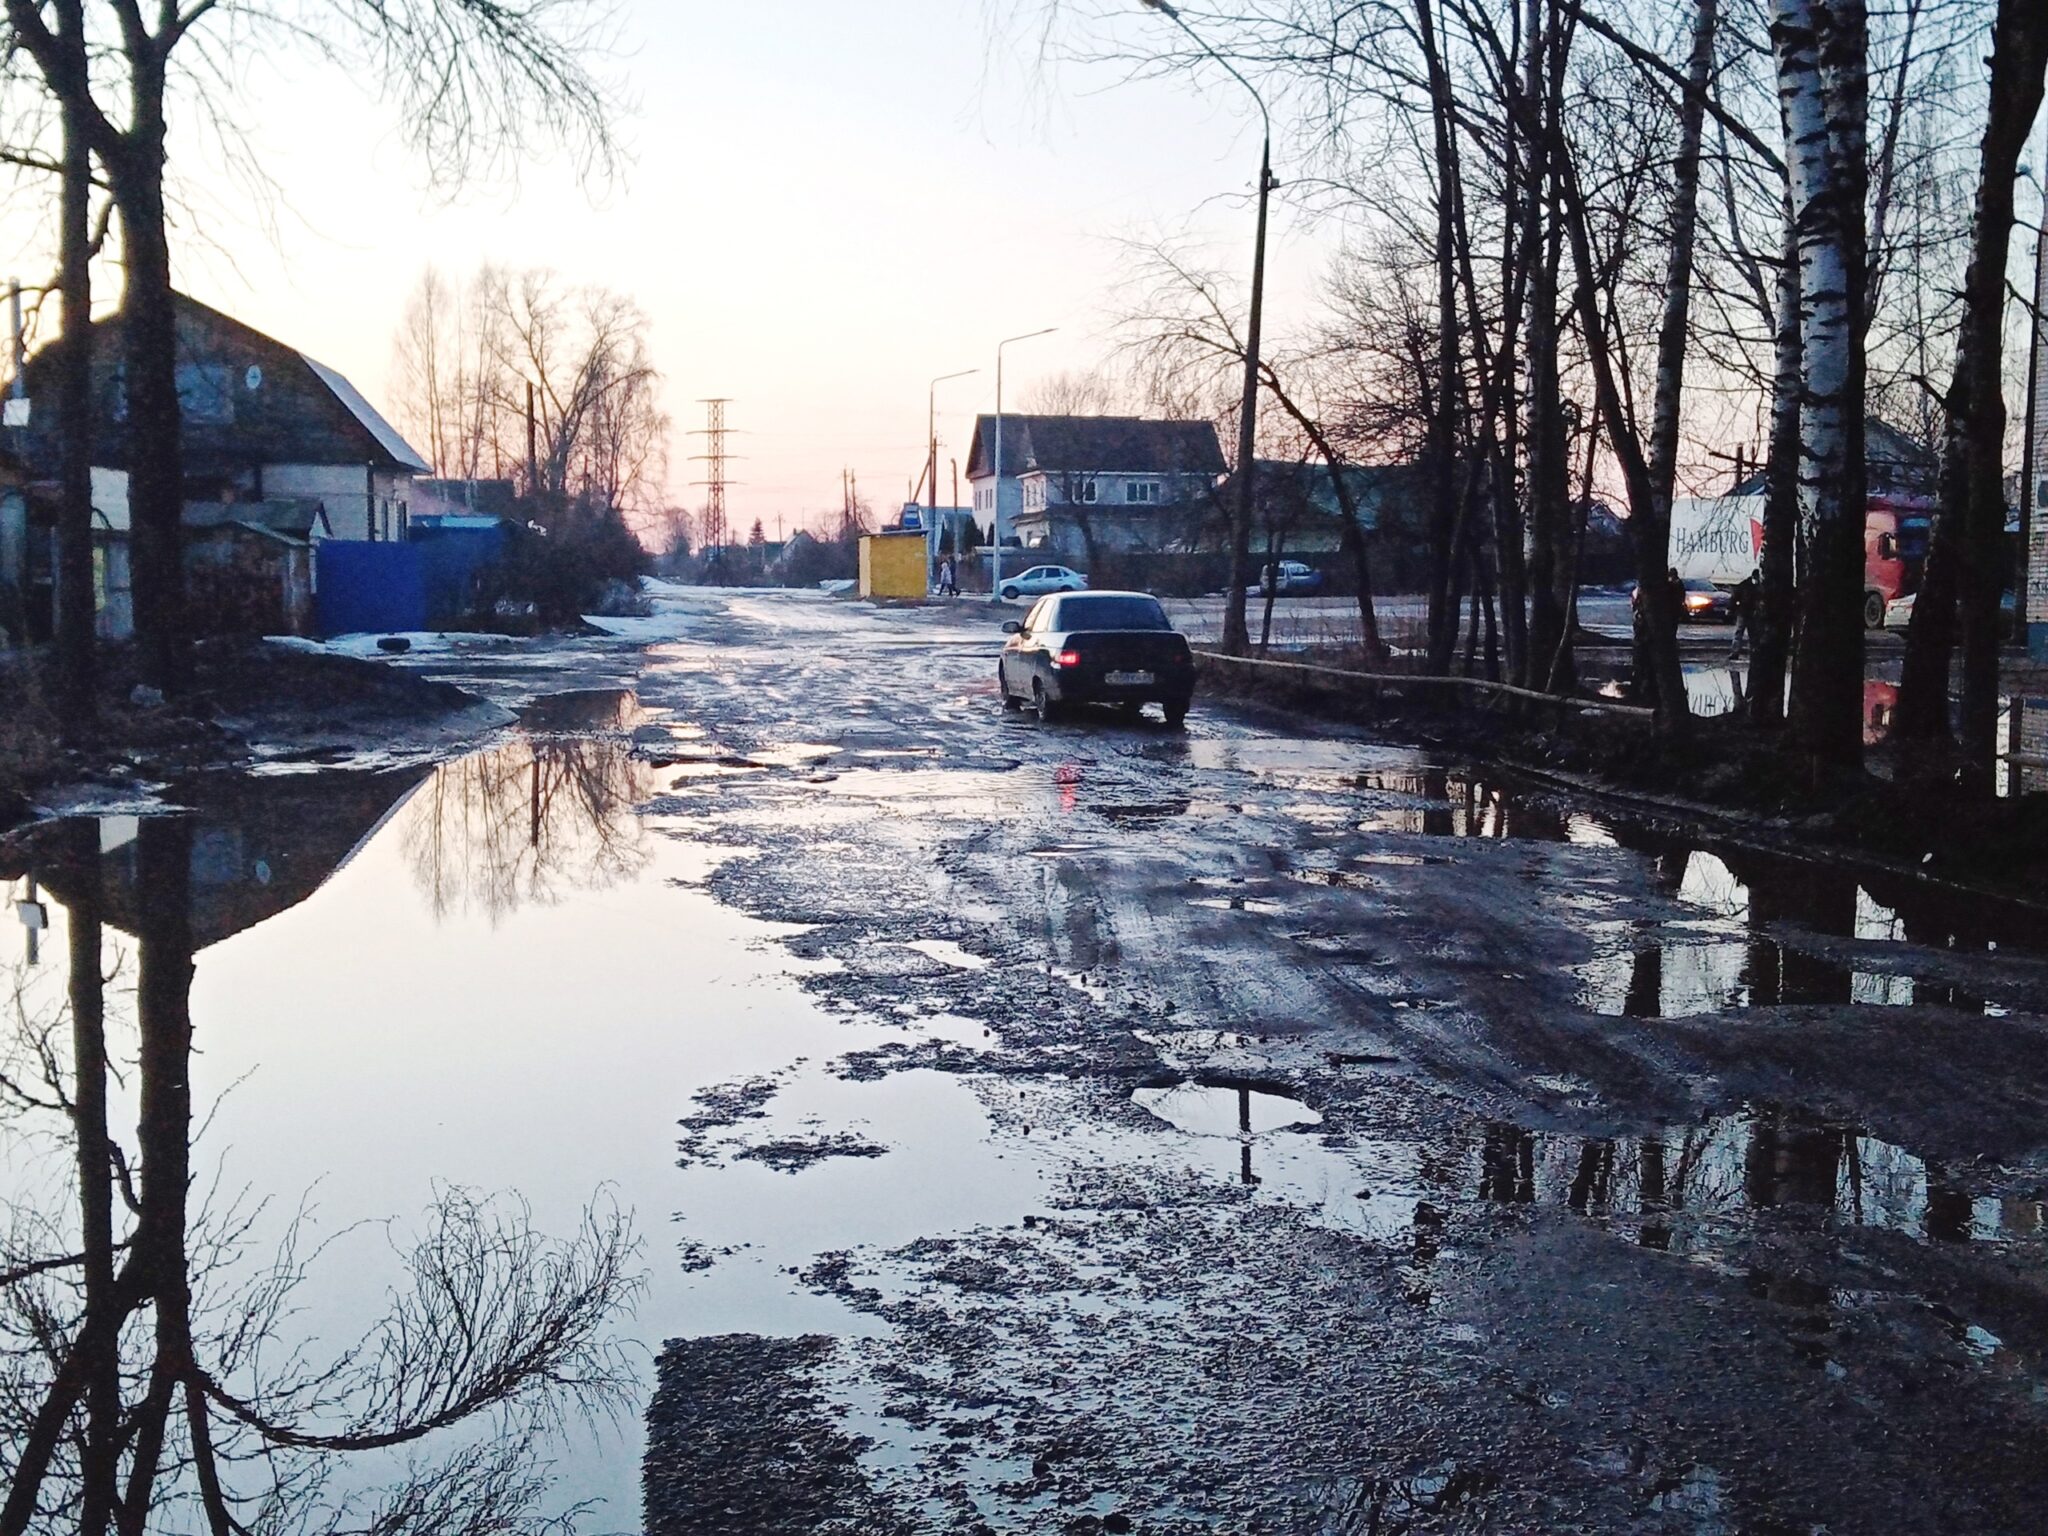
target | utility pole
[
  {"x": 931, "y": 464},
  {"x": 532, "y": 445},
  {"x": 1236, "y": 636}
]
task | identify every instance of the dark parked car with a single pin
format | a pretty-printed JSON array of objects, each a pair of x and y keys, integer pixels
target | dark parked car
[{"x": 1114, "y": 648}]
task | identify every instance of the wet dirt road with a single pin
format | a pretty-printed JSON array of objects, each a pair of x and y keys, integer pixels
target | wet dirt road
[
  {"x": 1333, "y": 1140},
  {"x": 1097, "y": 1128}
]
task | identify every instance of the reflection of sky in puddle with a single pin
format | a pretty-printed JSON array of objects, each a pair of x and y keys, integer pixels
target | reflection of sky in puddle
[
  {"x": 1202, "y": 1110},
  {"x": 946, "y": 952},
  {"x": 519, "y": 984}
]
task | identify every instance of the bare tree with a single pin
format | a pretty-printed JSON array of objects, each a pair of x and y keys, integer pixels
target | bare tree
[
  {"x": 476, "y": 83},
  {"x": 147, "y": 1374},
  {"x": 1181, "y": 336},
  {"x": 1822, "y": 52},
  {"x": 1968, "y": 559},
  {"x": 471, "y": 361},
  {"x": 1077, "y": 392}
]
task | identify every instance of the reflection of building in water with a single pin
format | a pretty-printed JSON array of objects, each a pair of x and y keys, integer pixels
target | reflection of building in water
[
  {"x": 257, "y": 847},
  {"x": 549, "y": 812}
]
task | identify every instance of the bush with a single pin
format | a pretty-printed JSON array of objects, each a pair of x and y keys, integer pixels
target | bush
[{"x": 569, "y": 570}]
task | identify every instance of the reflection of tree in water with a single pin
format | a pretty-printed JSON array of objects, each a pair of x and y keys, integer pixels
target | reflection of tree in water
[
  {"x": 1808, "y": 1170},
  {"x": 150, "y": 1377},
  {"x": 528, "y": 822}
]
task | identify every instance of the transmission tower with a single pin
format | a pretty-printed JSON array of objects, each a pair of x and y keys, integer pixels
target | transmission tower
[{"x": 714, "y": 458}]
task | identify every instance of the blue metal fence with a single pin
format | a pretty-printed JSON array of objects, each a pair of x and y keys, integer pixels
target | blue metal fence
[{"x": 429, "y": 583}]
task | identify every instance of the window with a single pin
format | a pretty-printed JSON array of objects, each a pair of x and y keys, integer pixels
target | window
[
  {"x": 1142, "y": 492},
  {"x": 1112, "y": 611},
  {"x": 204, "y": 394},
  {"x": 1088, "y": 489}
]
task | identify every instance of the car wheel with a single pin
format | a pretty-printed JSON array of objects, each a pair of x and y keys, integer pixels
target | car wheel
[
  {"x": 1043, "y": 704},
  {"x": 1873, "y": 610},
  {"x": 1177, "y": 713},
  {"x": 1009, "y": 594}
]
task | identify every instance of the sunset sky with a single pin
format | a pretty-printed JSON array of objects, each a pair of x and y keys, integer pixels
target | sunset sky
[{"x": 825, "y": 206}]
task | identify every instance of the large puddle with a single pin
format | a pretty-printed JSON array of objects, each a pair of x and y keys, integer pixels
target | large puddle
[{"x": 506, "y": 974}]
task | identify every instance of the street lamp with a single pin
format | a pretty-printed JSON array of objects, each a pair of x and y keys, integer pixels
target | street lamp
[
  {"x": 931, "y": 467},
  {"x": 995, "y": 582},
  {"x": 1236, "y": 637}
]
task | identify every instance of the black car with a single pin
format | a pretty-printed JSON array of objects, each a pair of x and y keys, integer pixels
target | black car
[{"x": 1114, "y": 648}]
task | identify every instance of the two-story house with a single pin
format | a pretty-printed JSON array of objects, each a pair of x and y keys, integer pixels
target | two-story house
[
  {"x": 1078, "y": 486},
  {"x": 261, "y": 420},
  {"x": 287, "y": 442}
]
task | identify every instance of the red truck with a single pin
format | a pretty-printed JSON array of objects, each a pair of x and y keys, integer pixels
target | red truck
[
  {"x": 1718, "y": 539},
  {"x": 1895, "y": 533}
]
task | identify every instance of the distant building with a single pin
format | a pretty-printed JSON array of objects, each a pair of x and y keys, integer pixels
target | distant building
[
  {"x": 1296, "y": 506},
  {"x": 433, "y": 497},
  {"x": 1077, "y": 485}
]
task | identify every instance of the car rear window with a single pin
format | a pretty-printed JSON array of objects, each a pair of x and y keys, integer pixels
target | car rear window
[{"x": 1110, "y": 611}]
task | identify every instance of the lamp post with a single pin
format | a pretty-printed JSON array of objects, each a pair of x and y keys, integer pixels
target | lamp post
[
  {"x": 995, "y": 582},
  {"x": 1236, "y": 637},
  {"x": 931, "y": 467}
]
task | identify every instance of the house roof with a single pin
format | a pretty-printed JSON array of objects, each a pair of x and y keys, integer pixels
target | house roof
[
  {"x": 1100, "y": 444},
  {"x": 1894, "y": 462},
  {"x": 248, "y": 398},
  {"x": 291, "y": 521},
  {"x": 1310, "y": 488},
  {"x": 402, "y": 453}
]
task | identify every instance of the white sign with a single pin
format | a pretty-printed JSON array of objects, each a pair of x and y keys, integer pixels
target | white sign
[{"x": 17, "y": 411}]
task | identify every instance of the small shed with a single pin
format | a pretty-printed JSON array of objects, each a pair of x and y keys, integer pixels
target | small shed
[
  {"x": 892, "y": 565},
  {"x": 249, "y": 565}
]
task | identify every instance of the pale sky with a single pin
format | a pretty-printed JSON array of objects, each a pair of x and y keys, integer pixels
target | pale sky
[{"x": 826, "y": 206}]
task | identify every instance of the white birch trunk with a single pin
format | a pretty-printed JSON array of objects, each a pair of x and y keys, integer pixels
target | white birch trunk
[{"x": 1823, "y": 96}]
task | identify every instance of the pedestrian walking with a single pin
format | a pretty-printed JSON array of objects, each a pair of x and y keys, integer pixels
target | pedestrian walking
[
  {"x": 949, "y": 580},
  {"x": 1743, "y": 600}
]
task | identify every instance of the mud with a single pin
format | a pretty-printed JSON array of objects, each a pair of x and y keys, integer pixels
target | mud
[
  {"x": 1256, "y": 1128},
  {"x": 1423, "y": 1152}
]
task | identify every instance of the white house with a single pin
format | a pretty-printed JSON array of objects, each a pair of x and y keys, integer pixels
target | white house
[{"x": 1074, "y": 485}]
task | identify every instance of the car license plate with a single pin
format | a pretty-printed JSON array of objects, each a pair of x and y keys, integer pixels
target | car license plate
[{"x": 1126, "y": 679}]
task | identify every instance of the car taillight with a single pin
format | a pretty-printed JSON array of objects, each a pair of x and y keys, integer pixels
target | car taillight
[{"x": 1068, "y": 659}]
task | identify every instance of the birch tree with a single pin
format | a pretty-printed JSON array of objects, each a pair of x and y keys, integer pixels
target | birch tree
[{"x": 1821, "y": 52}]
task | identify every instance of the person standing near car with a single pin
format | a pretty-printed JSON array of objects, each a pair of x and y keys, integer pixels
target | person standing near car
[{"x": 1743, "y": 601}]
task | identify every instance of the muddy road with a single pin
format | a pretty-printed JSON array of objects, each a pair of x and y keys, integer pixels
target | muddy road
[
  {"x": 1097, "y": 1127},
  {"x": 1407, "y": 1150}
]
